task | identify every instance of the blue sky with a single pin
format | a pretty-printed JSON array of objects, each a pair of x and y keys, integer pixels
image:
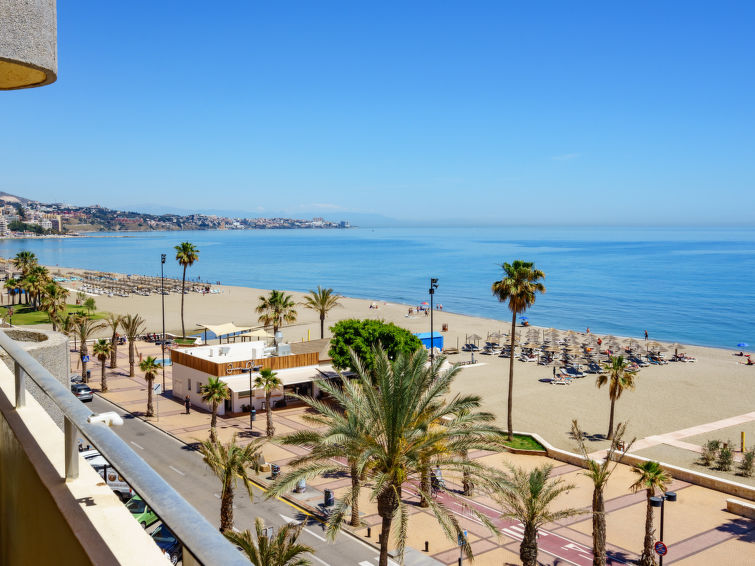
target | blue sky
[{"x": 490, "y": 112}]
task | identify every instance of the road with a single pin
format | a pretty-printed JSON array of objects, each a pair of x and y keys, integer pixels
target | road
[{"x": 184, "y": 469}]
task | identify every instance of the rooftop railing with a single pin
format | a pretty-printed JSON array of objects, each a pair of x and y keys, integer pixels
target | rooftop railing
[{"x": 200, "y": 538}]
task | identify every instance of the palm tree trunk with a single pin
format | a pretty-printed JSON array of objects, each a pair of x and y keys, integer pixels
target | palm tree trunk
[
  {"x": 609, "y": 436},
  {"x": 226, "y": 506},
  {"x": 424, "y": 486},
  {"x": 648, "y": 556},
  {"x": 150, "y": 410},
  {"x": 598, "y": 528},
  {"x": 83, "y": 351},
  {"x": 103, "y": 377},
  {"x": 269, "y": 414},
  {"x": 467, "y": 487},
  {"x": 114, "y": 352},
  {"x": 387, "y": 504},
  {"x": 354, "y": 495},
  {"x": 322, "y": 325},
  {"x": 131, "y": 358},
  {"x": 511, "y": 379},
  {"x": 214, "y": 422},
  {"x": 183, "y": 288},
  {"x": 528, "y": 548}
]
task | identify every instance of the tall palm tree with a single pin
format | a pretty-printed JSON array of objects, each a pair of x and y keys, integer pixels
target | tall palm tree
[
  {"x": 85, "y": 328},
  {"x": 321, "y": 301},
  {"x": 651, "y": 477},
  {"x": 102, "y": 349},
  {"x": 599, "y": 472},
  {"x": 618, "y": 379},
  {"x": 68, "y": 324},
  {"x": 11, "y": 285},
  {"x": 24, "y": 261},
  {"x": 133, "y": 325},
  {"x": 519, "y": 286},
  {"x": 283, "y": 549},
  {"x": 269, "y": 381},
  {"x": 398, "y": 402},
  {"x": 54, "y": 302},
  {"x": 526, "y": 496},
  {"x": 230, "y": 462},
  {"x": 214, "y": 392},
  {"x": 186, "y": 255},
  {"x": 276, "y": 309},
  {"x": 114, "y": 322},
  {"x": 150, "y": 367}
]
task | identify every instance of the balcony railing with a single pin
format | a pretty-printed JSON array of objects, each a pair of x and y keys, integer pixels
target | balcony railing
[{"x": 200, "y": 539}]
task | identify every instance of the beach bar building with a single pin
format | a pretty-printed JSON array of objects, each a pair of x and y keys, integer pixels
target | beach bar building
[{"x": 235, "y": 363}]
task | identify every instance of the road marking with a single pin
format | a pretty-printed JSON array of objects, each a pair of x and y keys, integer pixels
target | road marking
[
  {"x": 314, "y": 534},
  {"x": 135, "y": 444},
  {"x": 288, "y": 519},
  {"x": 177, "y": 470},
  {"x": 377, "y": 558},
  {"x": 321, "y": 561},
  {"x": 365, "y": 563}
]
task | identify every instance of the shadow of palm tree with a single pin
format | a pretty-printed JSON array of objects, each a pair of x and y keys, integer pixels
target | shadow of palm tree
[{"x": 743, "y": 529}]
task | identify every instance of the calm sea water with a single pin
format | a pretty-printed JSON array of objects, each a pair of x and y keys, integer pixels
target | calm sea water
[{"x": 692, "y": 286}]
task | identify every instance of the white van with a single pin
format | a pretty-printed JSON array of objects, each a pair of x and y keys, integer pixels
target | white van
[{"x": 111, "y": 476}]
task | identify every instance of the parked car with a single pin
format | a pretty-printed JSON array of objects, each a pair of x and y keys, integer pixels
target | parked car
[
  {"x": 142, "y": 512},
  {"x": 82, "y": 391},
  {"x": 111, "y": 476},
  {"x": 168, "y": 543},
  {"x": 76, "y": 378}
]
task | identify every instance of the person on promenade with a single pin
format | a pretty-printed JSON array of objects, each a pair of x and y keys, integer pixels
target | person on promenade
[{"x": 187, "y": 404}]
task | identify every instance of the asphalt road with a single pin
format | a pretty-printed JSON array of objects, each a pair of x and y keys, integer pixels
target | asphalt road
[{"x": 184, "y": 469}]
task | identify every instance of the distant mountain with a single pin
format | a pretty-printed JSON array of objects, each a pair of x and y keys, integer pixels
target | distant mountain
[{"x": 13, "y": 199}]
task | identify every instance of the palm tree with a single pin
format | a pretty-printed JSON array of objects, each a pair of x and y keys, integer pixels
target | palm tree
[
  {"x": 397, "y": 403},
  {"x": 133, "y": 326},
  {"x": 11, "y": 285},
  {"x": 214, "y": 392},
  {"x": 618, "y": 379},
  {"x": 68, "y": 325},
  {"x": 230, "y": 463},
  {"x": 102, "y": 349},
  {"x": 186, "y": 255},
  {"x": 54, "y": 302},
  {"x": 599, "y": 472},
  {"x": 276, "y": 309},
  {"x": 526, "y": 496},
  {"x": 518, "y": 287},
  {"x": 268, "y": 380},
  {"x": 85, "y": 327},
  {"x": 321, "y": 301},
  {"x": 652, "y": 477},
  {"x": 90, "y": 305},
  {"x": 113, "y": 321},
  {"x": 24, "y": 261},
  {"x": 150, "y": 367},
  {"x": 283, "y": 549}
]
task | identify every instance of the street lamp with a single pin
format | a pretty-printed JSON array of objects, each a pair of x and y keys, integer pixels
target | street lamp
[
  {"x": 433, "y": 286},
  {"x": 659, "y": 501},
  {"x": 162, "y": 298},
  {"x": 252, "y": 410}
]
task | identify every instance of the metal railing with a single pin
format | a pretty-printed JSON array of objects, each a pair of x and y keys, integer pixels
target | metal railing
[{"x": 203, "y": 540}]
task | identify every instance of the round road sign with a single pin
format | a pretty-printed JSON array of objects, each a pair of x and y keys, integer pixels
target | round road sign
[{"x": 660, "y": 549}]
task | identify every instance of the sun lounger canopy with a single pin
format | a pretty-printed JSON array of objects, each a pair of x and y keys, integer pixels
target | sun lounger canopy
[{"x": 224, "y": 329}]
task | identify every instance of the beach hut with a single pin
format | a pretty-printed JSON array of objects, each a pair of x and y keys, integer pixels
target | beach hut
[{"x": 427, "y": 342}]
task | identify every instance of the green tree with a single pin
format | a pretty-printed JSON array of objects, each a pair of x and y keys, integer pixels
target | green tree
[
  {"x": 276, "y": 310},
  {"x": 102, "y": 349},
  {"x": 398, "y": 403},
  {"x": 11, "y": 285},
  {"x": 230, "y": 462},
  {"x": 519, "y": 286},
  {"x": 362, "y": 336},
  {"x": 85, "y": 328},
  {"x": 54, "y": 302},
  {"x": 186, "y": 255},
  {"x": 651, "y": 477},
  {"x": 527, "y": 496},
  {"x": 150, "y": 367},
  {"x": 321, "y": 301},
  {"x": 599, "y": 472},
  {"x": 114, "y": 322},
  {"x": 618, "y": 380},
  {"x": 214, "y": 392},
  {"x": 269, "y": 381},
  {"x": 24, "y": 261},
  {"x": 283, "y": 549},
  {"x": 133, "y": 325},
  {"x": 90, "y": 305}
]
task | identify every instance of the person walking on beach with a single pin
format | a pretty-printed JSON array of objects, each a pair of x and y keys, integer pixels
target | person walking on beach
[
  {"x": 187, "y": 403},
  {"x": 646, "y": 335}
]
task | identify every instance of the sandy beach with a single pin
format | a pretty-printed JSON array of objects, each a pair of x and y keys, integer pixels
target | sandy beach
[{"x": 668, "y": 399}]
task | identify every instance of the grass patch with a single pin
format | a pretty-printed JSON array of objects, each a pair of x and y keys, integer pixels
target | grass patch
[
  {"x": 25, "y": 316},
  {"x": 522, "y": 442},
  {"x": 185, "y": 341}
]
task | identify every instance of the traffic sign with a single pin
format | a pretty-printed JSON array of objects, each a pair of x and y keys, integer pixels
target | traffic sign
[
  {"x": 85, "y": 359},
  {"x": 660, "y": 549}
]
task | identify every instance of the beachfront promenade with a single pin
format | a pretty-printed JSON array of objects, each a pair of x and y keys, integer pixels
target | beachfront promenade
[{"x": 699, "y": 530}]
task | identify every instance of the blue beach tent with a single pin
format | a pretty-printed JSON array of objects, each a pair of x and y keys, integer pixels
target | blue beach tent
[{"x": 437, "y": 341}]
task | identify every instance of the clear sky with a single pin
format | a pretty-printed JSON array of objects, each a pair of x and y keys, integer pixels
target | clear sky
[{"x": 503, "y": 112}]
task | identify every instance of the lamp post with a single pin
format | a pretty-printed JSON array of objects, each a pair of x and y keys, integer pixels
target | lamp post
[
  {"x": 433, "y": 286},
  {"x": 659, "y": 501},
  {"x": 252, "y": 411},
  {"x": 162, "y": 298}
]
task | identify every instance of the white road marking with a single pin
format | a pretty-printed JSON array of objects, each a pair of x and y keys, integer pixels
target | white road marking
[
  {"x": 320, "y": 561},
  {"x": 365, "y": 563},
  {"x": 177, "y": 470},
  {"x": 288, "y": 519},
  {"x": 314, "y": 534},
  {"x": 135, "y": 444}
]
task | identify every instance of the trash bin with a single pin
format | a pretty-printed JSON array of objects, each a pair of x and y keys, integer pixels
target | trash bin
[
  {"x": 301, "y": 486},
  {"x": 254, "y": 414},
  {"x": 275, "y": 470},
  {"x": 328, "y": 500},
  {"x": 89, "y": 375}
]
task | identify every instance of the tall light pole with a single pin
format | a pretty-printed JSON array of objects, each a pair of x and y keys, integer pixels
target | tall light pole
[
  {"x": 433, "y": 286},
  {"x": 162, "y": 298},
  {"x": 252, "y": 410},
  {"x": 659, "y": 501}
]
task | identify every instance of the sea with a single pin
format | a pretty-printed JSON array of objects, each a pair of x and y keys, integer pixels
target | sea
[{"x": 688, "y": 285}]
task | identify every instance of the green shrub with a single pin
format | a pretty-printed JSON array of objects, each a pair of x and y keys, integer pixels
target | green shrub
[
  {"x": 363, "y": 335},
  {"x": 710, "y": 452},
  {"x": 746, "y": 465},
  {"x": 725, "y": 458}
]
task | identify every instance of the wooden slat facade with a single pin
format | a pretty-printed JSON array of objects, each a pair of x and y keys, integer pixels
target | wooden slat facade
[{"x": 234, "y": 368}]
